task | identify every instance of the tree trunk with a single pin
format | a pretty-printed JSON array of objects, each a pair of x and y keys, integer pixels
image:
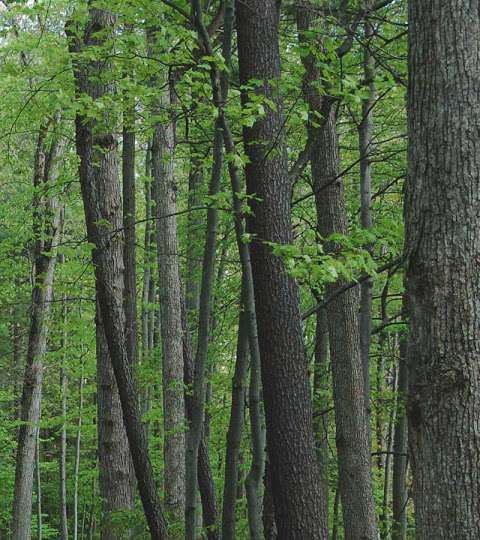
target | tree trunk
[
  {"x": 129, "y": 207},
  {"x": 96, "y": 147},
  {"x": 365, "y": 133},
  {"x": 39, "y": 488},
  {"x": 288, "y": 408},
  {"x": 352, "y": 433},
  {"x": 235, "y": 429},
  {"x": 204, "y": 472},
  {"x": 48, "y": 215},
  {"x": 76, "y": 470},
  {"x": 116, "y": 475},
  {"x": 442, "y": 257},
  {"x": 400, "y": 446},
  {"x": 63, "y": 431},
  {"x": 254, "y": 480},
  {"x": 321, "y": 400},
  {"x": 165, "y": 194}
]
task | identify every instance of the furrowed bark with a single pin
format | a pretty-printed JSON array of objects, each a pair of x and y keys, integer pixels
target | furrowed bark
[
  {"x": 442, "y": 257},
  {"x": 165, "y": 195},
  {"x": 352, "y": 433},
  {"x": 288, "y": 408},
  {"x": 116, "y": 478},
  {"x": 96, "y": 147}
]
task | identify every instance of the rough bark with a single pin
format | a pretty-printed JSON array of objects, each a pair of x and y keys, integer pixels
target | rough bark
[
  {"x": 48, "y": 215},
  {"x": 165, "y": 195},
  {"x": 321, "y": 401},
  {"x": 96, "y": 147},
  {"x": 288, "y": 408},
  {"x": 116, "y": 475},
  {"x": 352, "y": 434},
  {"x": 442, "y": 257}
]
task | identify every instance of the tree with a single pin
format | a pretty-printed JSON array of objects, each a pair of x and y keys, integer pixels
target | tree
[
  {"x": 48, "y": 215},
  {"x": 96, "y": 148},
  {"x": 441, "y": 249},
  {"x": 288, "y": 409}
]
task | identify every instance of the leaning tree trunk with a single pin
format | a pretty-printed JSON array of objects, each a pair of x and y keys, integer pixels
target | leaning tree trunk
[
  {"x": 352, "y": 433},
  {"x": 48, "y": 215},
  {"x": 117, "y": 490},
  {"x": 290, "y": 440},
  {"x": 442, "y": 258},
  {"x": 100, "y": 185}
]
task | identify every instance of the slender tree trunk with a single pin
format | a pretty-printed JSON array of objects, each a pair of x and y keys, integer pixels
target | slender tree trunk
[
  {"x": 321, "y": 401},
  {"x": 129, "y": 207},
  {"x": 442, "y": 257},
  {"x": 165, "y": 190},
  {"x": 235, "y": 429},
  {"x": 365, "y": 133},
  {"x": 117, "y": 485},
  {"x": 197, "y": 411},
  {"x": 352, "y": 433},
  {"x": 96, "y": 147},
  {"x": 63, "y": 432},
  {"x": 194, "y": 235},
  {"x": 290, "y": 439},
  {"x": 76, "y": 470},
  {"x": 400, "y": 446},
  {"x": 48, "y": 215},
  {"x": 204, "y": 472},
  {"x": 39, "y": 488},
  {"x": 254, "y": 480}
]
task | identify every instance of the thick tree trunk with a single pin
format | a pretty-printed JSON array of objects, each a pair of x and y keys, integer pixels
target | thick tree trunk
[
  {"x": 288, "y": 408},
  {"x": 165, "y": 195},
  {"x": 442, "y": 258},
  {"x": 48, "y": 216},
  {"x": 352, "y": 433},
  {"x": 96, "y": 147},
  {"x": 116, "y": 478}
]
